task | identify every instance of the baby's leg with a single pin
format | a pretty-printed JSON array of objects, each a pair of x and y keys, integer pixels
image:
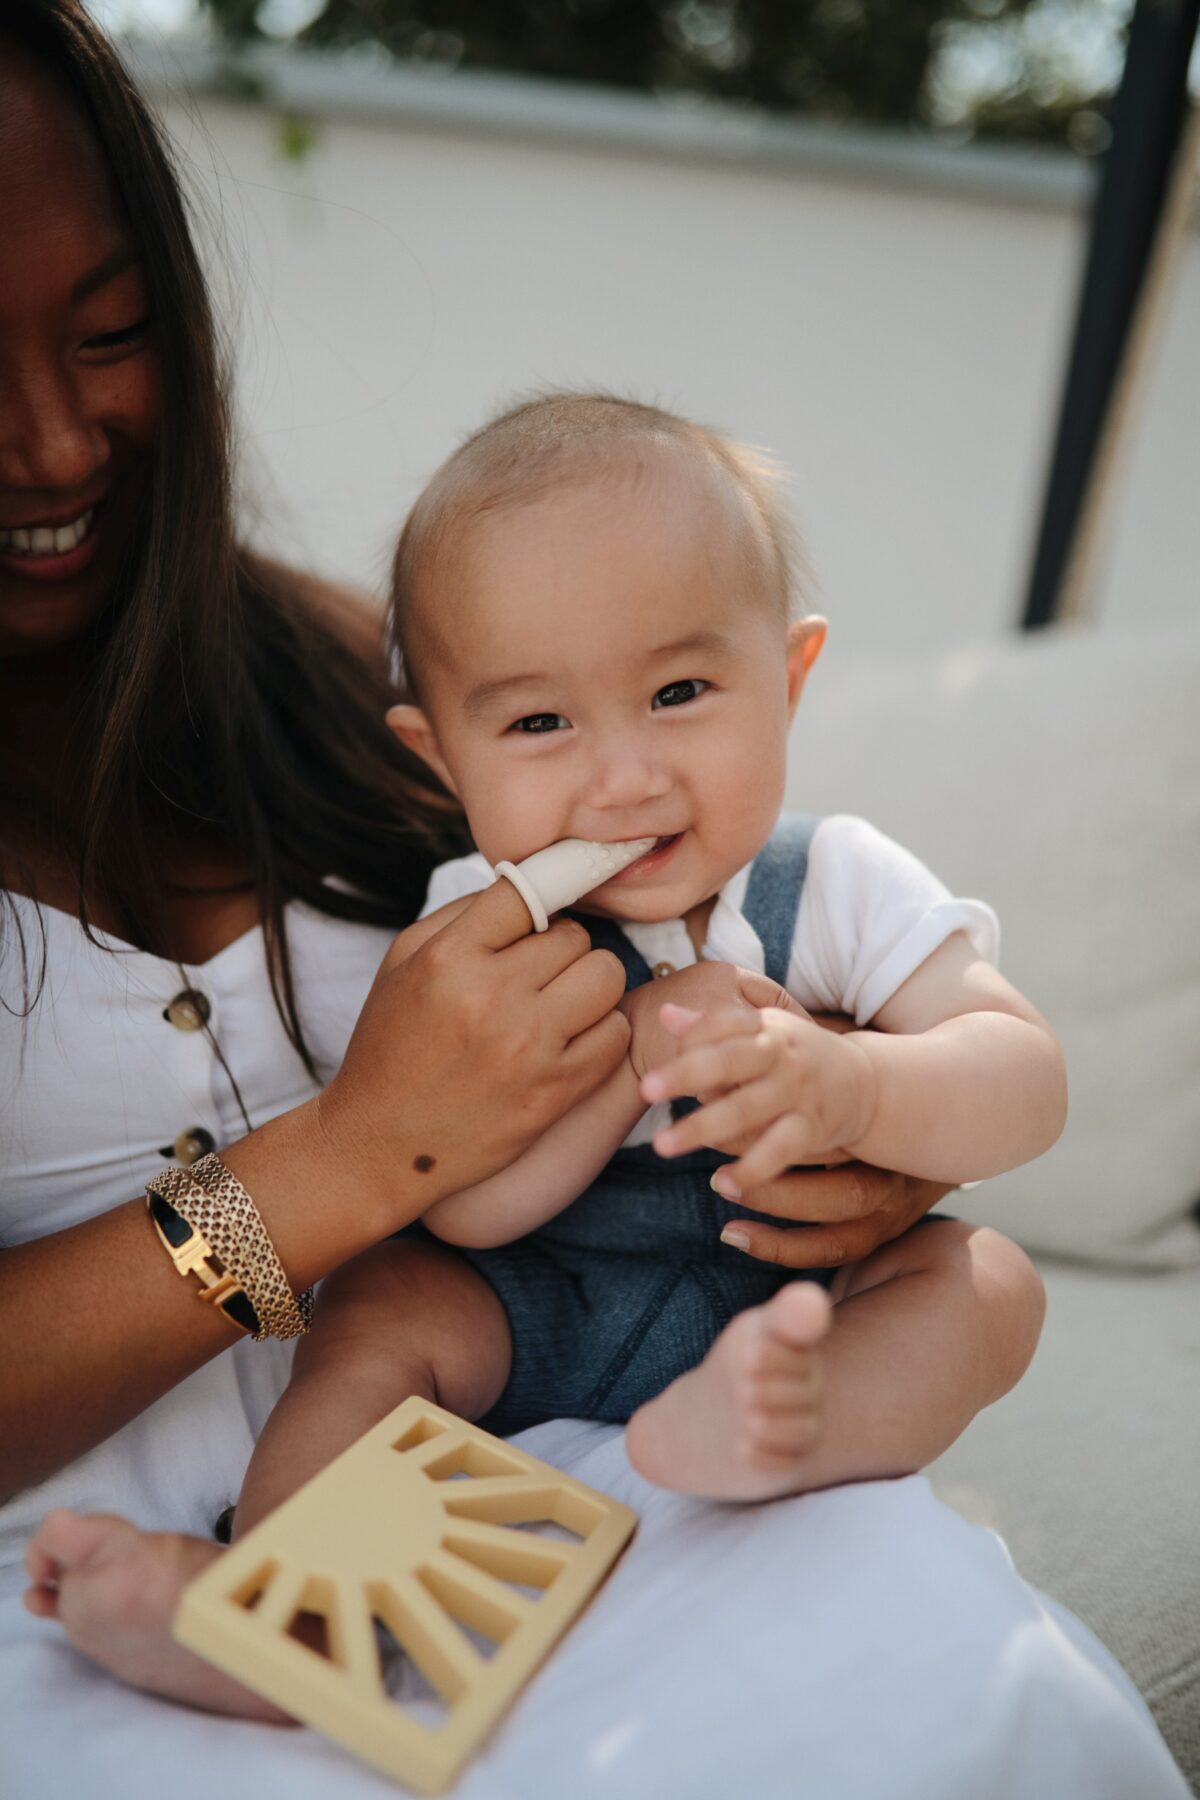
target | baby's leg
[
  {"x": 926, "y": 1332},
  {"x": 401, "y": 1319}
]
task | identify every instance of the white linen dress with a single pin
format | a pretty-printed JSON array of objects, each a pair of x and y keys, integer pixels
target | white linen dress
[{"x": 859, "y": 1644}]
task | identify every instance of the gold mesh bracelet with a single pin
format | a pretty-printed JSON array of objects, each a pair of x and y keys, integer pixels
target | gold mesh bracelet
[{"x": 214, "y": 1202}]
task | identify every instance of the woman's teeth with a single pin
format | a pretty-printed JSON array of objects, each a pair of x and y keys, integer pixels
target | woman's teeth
[{"x": 46, "y": 540}]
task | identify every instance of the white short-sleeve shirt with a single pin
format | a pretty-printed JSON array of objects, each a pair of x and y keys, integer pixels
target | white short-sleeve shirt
[{"x": 870, "y": 914}]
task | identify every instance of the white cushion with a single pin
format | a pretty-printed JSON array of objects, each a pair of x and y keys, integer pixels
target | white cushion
[{"x": 1057, "y": 775}]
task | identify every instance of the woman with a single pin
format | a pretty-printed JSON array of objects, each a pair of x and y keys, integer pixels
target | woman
[{"x": 207, "y": 843}]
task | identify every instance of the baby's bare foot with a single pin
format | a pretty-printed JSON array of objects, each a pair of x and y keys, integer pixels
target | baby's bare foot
[
  {"x": 114, "y": 1590},
  {"x": 744, "y": 1423}
]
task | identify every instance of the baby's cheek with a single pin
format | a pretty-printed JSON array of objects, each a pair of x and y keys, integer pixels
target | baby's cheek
[
  {"x": 742, "y": 795},
  {"x": 512, "y": 813}
]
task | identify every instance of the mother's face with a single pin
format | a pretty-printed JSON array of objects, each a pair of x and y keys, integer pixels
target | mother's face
[{"x": 79, "y": 385}]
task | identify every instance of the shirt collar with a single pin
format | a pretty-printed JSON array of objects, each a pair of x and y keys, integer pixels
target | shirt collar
[{"x": 731, "y": 938}]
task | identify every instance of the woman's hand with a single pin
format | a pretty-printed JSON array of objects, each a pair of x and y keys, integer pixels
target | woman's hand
[
  {"x": 476, "y": 1036},
  {"x": 832, "y": 1215},
  {"x": 838, "y": 1215}
]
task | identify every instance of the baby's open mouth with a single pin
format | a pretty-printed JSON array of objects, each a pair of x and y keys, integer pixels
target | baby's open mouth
[{"x": 660, "y": 847}]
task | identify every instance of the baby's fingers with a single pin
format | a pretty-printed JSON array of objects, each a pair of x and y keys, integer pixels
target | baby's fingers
[
  {"x": 746, "y": 1109},
  {"x": 712, "y": 1026},
  {"x": 708, "y": 1069},
  {"x": 785, "y": 1143}
]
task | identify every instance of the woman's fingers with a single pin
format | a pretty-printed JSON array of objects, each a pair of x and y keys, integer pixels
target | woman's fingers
[
  {"x": 854, "y": 1210},
  {"x": 413, "y": 936},
  {"x": 593, "y": 1054},
  {"x": 539, "y": 960},
  {"x": 835, "y": 1196},
  {"x": 494, "y": 918},
  {"x": 761, "y": 992},
  {"x": 796, "y": 1247},
  {"x": 583, "y": 992}
]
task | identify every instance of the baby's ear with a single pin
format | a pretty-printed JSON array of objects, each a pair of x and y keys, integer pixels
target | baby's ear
[
  {"x": 411, "y": 725},
  {"x": 805, "y": 639}
]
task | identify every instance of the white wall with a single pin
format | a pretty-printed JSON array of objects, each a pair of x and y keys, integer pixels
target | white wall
[{"x": 899, "y": 348}]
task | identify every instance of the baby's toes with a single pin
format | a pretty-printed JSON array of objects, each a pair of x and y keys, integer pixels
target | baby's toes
[
  {"x": 41, "y": 1568},
  {"x": 771, "y": 1440},
  {"x": 798, "y": 1390},
  {"x": 797, "y": 1317}
]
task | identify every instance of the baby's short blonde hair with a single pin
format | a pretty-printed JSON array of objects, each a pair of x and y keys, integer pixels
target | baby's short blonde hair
[{"x": 567, "y": 439}]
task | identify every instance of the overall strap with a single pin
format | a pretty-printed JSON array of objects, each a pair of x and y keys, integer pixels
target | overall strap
[
  {"x": 773, "y": 893},
  {"x": 607, "y": 935}
]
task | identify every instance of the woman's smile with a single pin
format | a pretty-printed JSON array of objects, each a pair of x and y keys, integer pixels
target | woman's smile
[{"x": 50, "y": 550}]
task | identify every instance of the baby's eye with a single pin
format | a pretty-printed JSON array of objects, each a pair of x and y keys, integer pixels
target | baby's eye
[
  {"x": 678, "y": 693},
  {"x": 534, "y": 723}
]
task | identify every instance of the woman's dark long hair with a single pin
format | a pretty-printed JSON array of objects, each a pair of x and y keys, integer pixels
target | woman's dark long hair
[{"x": 224, "y": 704}]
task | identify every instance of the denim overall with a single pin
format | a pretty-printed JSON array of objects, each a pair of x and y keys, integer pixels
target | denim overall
[{"x": 628, "y": 1286}]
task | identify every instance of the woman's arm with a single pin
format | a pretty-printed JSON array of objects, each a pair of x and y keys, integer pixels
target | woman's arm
[{"x": 484, "y": 1023}]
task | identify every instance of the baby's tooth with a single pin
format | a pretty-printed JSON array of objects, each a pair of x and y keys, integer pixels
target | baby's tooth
[{"x": 41, "y": 540}]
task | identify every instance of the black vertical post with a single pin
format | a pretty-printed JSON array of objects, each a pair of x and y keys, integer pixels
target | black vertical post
[{"x": 1147, "y": 124}]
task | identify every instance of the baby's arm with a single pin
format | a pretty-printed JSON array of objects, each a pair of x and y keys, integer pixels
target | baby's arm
[
  {"x": 571, "y": 1154},
  {"x": 968, "y": 1078},
  {"x": 960, "y": 1079},
  {"x": 551, "y": 1174}
]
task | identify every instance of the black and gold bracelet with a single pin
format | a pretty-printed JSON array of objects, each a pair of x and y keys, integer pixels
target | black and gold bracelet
[
  {"x": 209, "y": 1198},
  {"x": 191, "y": 1255}
]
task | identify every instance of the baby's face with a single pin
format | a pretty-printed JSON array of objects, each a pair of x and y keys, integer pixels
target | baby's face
[{"x": 607, "y": 670}]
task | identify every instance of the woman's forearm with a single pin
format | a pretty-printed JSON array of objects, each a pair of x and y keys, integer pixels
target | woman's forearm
[
  {"x": 971, "y": 1097},
  {"x": 95, "y": 1325},
  {"x": 550, "y": 1174}
]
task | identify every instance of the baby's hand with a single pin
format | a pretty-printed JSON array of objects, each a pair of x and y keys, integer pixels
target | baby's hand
[{"x": 793, "y": 1092}]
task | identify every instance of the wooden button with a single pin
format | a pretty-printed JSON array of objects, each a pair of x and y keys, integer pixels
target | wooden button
[
  {"x": 662, "y": 969},
  {"x": 190, "y": 1146},
  {"x": 188, "y": 1011}
]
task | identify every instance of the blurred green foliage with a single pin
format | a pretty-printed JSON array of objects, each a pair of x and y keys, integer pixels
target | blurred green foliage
[{"x": 879, "y": 62}]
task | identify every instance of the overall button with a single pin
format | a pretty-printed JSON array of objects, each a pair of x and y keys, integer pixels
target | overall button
[
  {"x": 190, "y": 1146},
  {"x": 662, "y": 969},
  {"x": 188, "y": 1011}
]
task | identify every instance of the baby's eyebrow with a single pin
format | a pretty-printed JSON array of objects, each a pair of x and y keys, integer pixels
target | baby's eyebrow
[
  {"x": 485, "y": 694},
  {"x": 710, "y": 641}
]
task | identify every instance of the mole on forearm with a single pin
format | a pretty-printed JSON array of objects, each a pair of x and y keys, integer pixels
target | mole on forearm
[{"x": 423, "y": 1164}]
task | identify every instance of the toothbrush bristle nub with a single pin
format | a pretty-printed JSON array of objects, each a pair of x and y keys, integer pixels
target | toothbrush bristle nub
[{"x": 556, "y": 877}]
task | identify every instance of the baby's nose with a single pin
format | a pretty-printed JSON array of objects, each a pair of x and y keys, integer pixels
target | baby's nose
[{"x": 627, "y": 776}]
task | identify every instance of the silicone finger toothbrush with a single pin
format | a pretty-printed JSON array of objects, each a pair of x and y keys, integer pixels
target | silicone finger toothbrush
[{"x": 562, "y": 873}]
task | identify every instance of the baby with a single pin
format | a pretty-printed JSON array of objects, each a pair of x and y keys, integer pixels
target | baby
[{"x": 595, "y": 603}]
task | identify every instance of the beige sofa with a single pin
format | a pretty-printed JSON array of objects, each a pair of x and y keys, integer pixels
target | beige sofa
[{"x": 1058, "y": 775}]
